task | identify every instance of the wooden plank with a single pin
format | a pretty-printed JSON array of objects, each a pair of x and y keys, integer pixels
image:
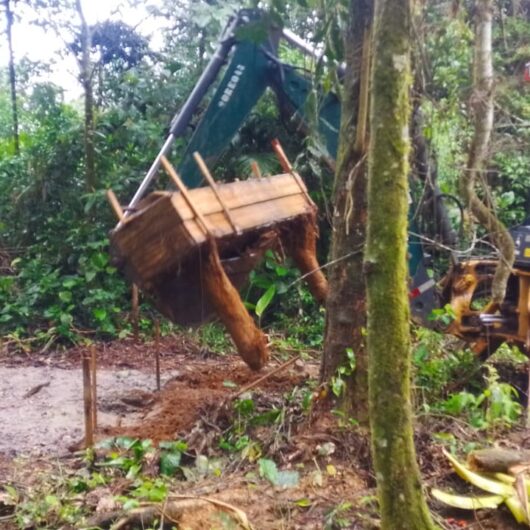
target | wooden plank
[
  {"x": 159, "y": 240},
  {"x": 251, "y": 218},
  {"x": 238, "y": 194},
  {"x": 155, "y": 240}
]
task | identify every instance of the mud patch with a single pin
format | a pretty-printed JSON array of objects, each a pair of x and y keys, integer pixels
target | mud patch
[{"x": 41, "y": 407}]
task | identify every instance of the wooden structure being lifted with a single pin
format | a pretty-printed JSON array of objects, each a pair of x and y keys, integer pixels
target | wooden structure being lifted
[{"x": 190, "y": 251}]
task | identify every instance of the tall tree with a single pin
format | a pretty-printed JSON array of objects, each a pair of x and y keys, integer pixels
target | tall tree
[
  {"x": 12, "y": 73},
  {"x": 482, "y": 107},
  {"x": 401, "y": 500},
  {"x": 346, "y": 302},
  {"x": 86, "y": 71}
]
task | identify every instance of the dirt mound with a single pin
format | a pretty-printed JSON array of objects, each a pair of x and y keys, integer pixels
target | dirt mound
[{"x": 198, "y": 387}]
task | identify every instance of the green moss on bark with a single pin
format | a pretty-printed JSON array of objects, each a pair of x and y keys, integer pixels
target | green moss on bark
[{"x": 402, "y": 503}]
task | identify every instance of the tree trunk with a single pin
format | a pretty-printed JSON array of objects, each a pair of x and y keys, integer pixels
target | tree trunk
[
  {"x": 401, "y": 500},
  {"x": 86, "y": 80},
  {"x": 12, "y": 75},
  {"x": 482, "y": 106},
  {"x": 346, "y": 302}
]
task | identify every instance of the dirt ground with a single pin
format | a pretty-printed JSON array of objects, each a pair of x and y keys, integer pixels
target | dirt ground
[
  {"x": 41, "y": 409},
  {"x": 41, "y": 418}
]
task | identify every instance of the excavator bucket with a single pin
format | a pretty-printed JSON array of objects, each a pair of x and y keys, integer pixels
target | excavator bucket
[{"x": 190, "y": 251}]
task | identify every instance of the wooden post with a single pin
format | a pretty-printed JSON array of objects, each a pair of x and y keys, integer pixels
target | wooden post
[
  {"x": 157, "y": 353},
  {"x": 93, "y": 386},
  {"x": 288, "y": 168},
  {"x": 282, "y": 157},
  {"x": 208, "y": 176},
  {"x": 528, "y": 396},
  {"x": 116, "y": 207},
  {"x": 87, "y": 399},
  {"x": 256, "y": 171},
  {"x": 184, "y": 190},
  {"x": 135, "y": 312}
]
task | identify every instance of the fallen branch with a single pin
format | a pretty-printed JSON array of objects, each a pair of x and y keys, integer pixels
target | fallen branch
[
  {"x": 35, "y": 389},
  {"x": 259, "y": 380},
  {"x": 170, "y": 513}
]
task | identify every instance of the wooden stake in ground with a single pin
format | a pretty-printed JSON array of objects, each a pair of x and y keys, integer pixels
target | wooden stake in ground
[
  {"x": 87, "y": 399},
  {"x": 135, "y": 312},
  {"x": 93, "y": 387},
  {"x": 157, "y": 353},
  {"x": 528, "y": 397}
]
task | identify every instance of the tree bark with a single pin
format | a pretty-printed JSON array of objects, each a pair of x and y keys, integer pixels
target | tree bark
[
  {"x": 401, "y": 500},
  {"x": 88, "y": 90},
  {"x": 12, "y": 75},
  {"x": 482, "y": 106},
  {"x": 346, "y": 302}
]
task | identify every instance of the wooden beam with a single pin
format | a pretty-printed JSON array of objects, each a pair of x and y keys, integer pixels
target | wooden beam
[
  {"x": 256, "y": 171},
  {"x": 184, "y": 191},
  {"x": 287, "y": 166},
  {"x": 208, "y": 176},
  {"x": 116, "y": 207}
]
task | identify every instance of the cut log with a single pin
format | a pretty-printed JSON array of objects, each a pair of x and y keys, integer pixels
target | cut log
[{"x": 498, "y": 460}]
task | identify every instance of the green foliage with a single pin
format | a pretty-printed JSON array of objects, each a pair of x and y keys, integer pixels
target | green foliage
[
  {"x": 279, "y": 298},
  {"x": 253, "y": 412},
  {"x": 437, "y": 365},
  {"x": 338, "y": 381},
  {"x": 512, "y": 186},
  {"x": 269, "y": 471},
  {"x": 129, "y": 455},
  {"x": 338, "y": 517},
  {"x": 496, "y": 406},
  {"x": 212, "y": 336}
]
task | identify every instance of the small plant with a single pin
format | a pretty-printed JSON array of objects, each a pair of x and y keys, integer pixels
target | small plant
[
  {"x": 495, "y": 406},
  {"x": 436, "y": 366},
  {"x": 212, "y": 337},
  {"x": 130, "y": 454},
  {"x": 337, "y": 517},
  {"x": 338, "y": 381},
  {"x": 443, "y": 315}
]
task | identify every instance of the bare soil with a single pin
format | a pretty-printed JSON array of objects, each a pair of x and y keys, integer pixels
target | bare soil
[{"x": 41, "y": 418}]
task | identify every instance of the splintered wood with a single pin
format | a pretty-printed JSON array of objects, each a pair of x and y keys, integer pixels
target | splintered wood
[{"x": 191, "y": 251}]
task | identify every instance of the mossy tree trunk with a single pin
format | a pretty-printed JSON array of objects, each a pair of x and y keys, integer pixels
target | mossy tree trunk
[
  {"x": 346, "y": 301},
  {"x": 401, "y": 500}
]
